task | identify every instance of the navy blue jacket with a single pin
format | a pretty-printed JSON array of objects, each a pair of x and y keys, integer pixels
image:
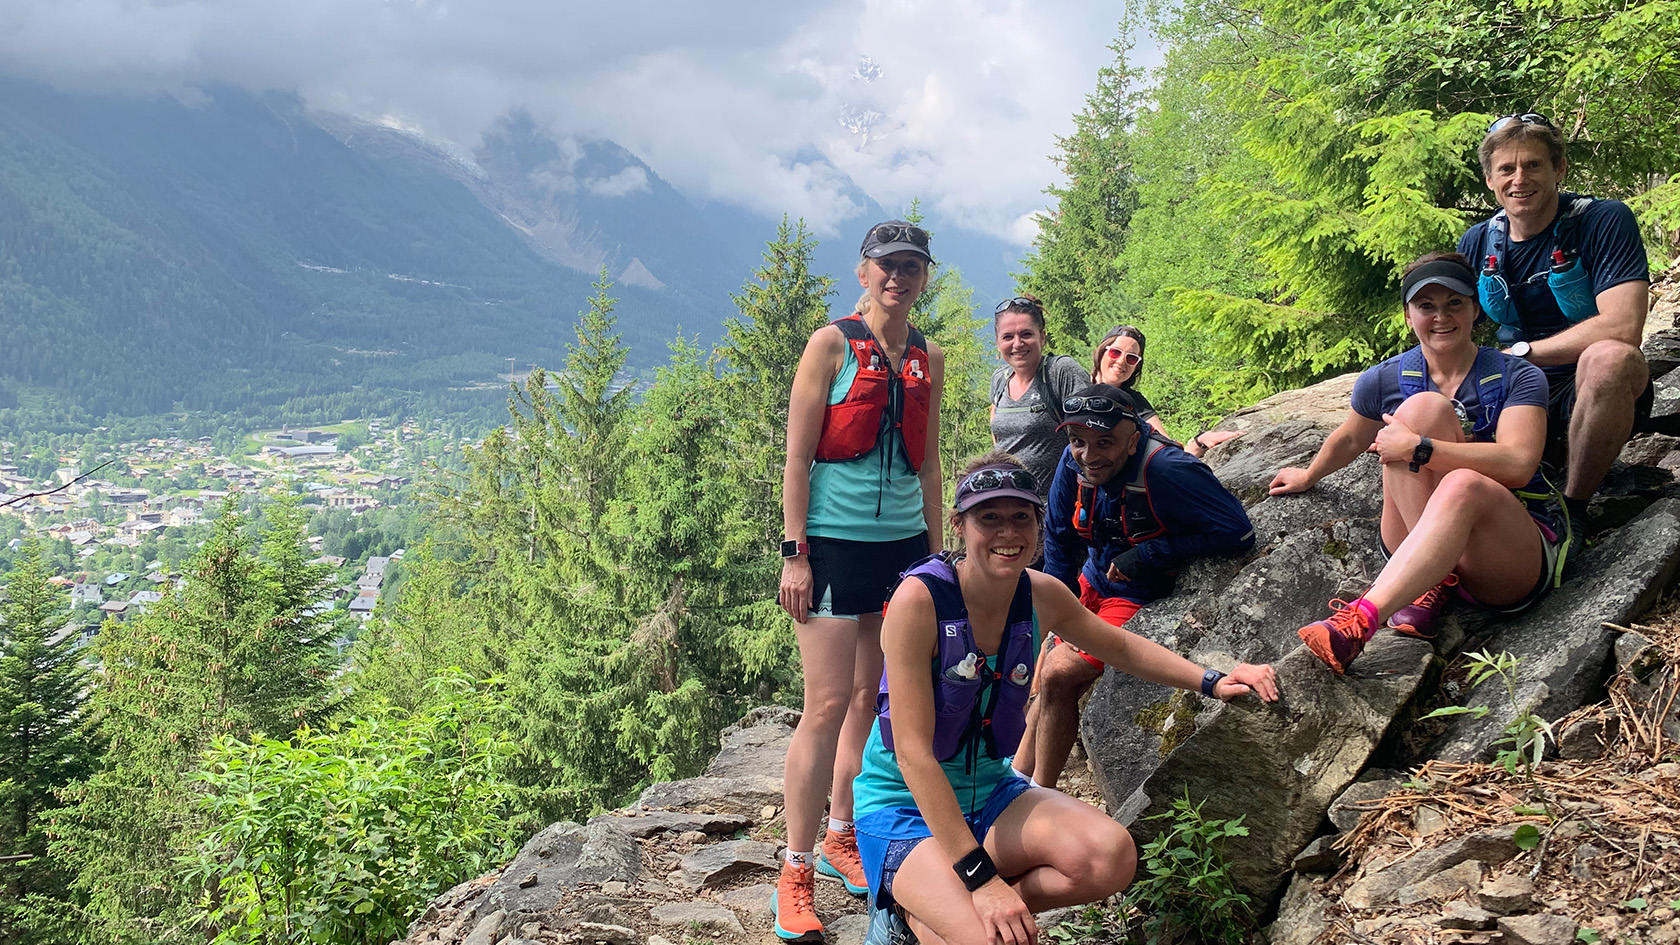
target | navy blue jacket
[{"x": 1200, "y": 517}]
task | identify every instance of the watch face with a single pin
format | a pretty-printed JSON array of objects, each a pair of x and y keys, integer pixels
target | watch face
[{"x": 790, "y": 549}]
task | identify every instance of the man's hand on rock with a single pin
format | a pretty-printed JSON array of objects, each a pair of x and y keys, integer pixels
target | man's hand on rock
[{"x": 1290, "y": 479}]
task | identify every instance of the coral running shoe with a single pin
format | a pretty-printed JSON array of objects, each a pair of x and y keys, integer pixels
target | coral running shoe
[
  {"x": 791, "y": 905},
  {"x": 1417, "y": 619},
  {"x": 1340, "y": 639},
  {"x": 838, "y": 856}
]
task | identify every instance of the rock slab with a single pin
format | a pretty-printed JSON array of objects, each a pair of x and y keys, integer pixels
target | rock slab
[
  {"x": 1307, "y": 748},
  {"x": 562, "y": 856},
  {"x": 1562, "y": 645}
]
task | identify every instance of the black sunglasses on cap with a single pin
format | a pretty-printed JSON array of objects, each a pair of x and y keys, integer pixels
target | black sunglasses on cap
[
  {"x": 898, "y": 233},
  {"x": 1095, "y": 403},
  {"x": 1527, "y": 118},
  {"x": 1019, "y": 302}
]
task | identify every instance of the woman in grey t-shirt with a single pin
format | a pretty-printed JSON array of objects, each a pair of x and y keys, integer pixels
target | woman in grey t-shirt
[{"x": 1027, "y": 392}]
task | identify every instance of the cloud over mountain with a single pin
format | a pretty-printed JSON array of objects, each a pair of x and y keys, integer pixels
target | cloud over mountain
[{"x": 956, "y": 103}]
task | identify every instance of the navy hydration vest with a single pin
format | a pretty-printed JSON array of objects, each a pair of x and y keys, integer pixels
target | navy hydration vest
[
  {"x": 1137, "y": 521},
  {"x": 1571, "y": 287},
  {"x": 1540, "y": 497},
  {"x": 973, "y": 705}
]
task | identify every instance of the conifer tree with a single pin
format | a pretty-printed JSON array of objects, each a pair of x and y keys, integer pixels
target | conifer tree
[
  {"x": 1076, "y": 254},
  {"x": 235, "y": 651},
  {"x": 42, "y": 690}
]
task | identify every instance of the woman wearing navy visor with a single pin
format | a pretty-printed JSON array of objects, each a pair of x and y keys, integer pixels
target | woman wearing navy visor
[
  {"x": 1459, "y": 429},
  {"x": 960, "y": 637},
  {"x": 861, "y": 495}
]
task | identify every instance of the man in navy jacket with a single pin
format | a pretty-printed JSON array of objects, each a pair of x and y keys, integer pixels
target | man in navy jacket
[{"x": 1126, "y": 512}]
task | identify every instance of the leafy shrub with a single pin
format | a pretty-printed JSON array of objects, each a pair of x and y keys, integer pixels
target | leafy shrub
[
  {"x": 342, "y": 836},
  {"x": 1185, "y": 893}
]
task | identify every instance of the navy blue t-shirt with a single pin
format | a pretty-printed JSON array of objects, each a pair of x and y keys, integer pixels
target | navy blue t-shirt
[
  {"x": 1608, "y": 241},
  {"x": 1377, "y": 391}
]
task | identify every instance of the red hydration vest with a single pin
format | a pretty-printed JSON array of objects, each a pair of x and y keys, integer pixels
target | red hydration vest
[{"x": 879, "y": 402}]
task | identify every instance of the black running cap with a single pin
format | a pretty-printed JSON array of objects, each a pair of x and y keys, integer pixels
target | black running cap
[
  {"x": 1441, "y": 272},
  {"x": 1099, "y": 406}
]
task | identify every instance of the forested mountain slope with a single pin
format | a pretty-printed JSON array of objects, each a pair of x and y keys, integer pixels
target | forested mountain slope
[{"x": 237, "y": 257}]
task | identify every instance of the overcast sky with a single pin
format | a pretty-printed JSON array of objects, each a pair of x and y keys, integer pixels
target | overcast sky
[{"x": 728, "y": 100}]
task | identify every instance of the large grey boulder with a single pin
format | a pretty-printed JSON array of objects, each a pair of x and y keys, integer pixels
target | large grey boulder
[
  {"x": 1312, "y": 547},
  {"x": 1285, "y": 429},
  {"x": 563, "y": 856},
  {"x": 1562, "y": 645},
  {"x": 1280, "y": 766}
]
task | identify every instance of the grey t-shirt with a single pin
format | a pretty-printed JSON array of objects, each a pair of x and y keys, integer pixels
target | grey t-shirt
[{"x": 1027, "y": 427}]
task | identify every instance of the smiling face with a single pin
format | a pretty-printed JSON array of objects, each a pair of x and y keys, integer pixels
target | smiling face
[
  {"x": 1101, "y": 454},
  {"x": 1000, "y": 535},
  {"x": 1020, "y": 342},
  {"x": 1525, "y": 181},
  {"x": 1118, "y": 360},
  {"x": 894, "y": 281},
  {"x": 1441, "y": 318}
]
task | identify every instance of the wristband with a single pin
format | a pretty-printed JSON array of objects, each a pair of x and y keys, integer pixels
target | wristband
[
  {"x": 1197, "y": 439},
  {"x": 976, "y": 869},
  {"x": 1210, "y": 679}
]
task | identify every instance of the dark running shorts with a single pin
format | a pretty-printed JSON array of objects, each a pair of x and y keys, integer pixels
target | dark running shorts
[
  {"x": 1561, "y": 406},
  {"x": 853, "y": 578}
]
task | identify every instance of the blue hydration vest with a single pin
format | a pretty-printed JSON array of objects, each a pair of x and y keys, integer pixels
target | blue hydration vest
[
  {"x": 972, "y": 705},
  {"x": 1572, "y": 288}
]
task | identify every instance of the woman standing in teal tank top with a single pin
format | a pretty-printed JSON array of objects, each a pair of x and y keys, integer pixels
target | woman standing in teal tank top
[{"x": 860, "y": 503}]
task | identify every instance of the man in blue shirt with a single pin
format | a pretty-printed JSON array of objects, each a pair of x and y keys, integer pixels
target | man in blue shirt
[
  {"x": 1126, "y": 511},
  {"x": 1567, "y": 280}
]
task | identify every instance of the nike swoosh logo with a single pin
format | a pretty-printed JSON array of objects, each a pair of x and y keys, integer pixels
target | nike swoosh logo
[{"x": 972, "y": 870}]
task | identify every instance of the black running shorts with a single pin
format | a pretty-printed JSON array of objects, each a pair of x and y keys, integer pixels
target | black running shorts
[{"x": 853, "y": 578}]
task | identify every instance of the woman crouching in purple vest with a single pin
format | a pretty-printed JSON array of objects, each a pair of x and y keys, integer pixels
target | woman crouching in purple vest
[{"x": 937, "y": 762}]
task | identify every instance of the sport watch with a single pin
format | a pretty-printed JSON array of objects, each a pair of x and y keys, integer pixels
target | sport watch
[
  {"x": 1421, "y": 454},
  {"x": 1210, "y": 679},
  {"x": 793, "y": 549},
  {"x": 1521, "y": 350}
]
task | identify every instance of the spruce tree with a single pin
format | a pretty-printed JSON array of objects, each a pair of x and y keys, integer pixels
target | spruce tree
[
  {"x": 42, "y": 690},
  {"x": 233, "y": 652},
  {"x": 1075, "y": 257}
]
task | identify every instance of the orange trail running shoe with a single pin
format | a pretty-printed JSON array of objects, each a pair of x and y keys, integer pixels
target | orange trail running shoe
[
  {"x": 792, "y": 907},
  {"x": 1341, "y": 638},
  {"x": 1417, "y": 619},
  {"x": 838, "y": 856}
]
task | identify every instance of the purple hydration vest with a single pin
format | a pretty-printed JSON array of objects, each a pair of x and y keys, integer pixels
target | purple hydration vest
[{"x": 973, "y": 705}]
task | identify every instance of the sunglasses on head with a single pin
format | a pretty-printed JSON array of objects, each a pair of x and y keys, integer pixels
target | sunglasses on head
[
  {"x": 1130, "y": 357},
  {"x": 899, "y": 233},
  {"x": 1019, "y": 302},
  {"x": 1527, "y": 118},
  {"x": 985, "y": 480}
]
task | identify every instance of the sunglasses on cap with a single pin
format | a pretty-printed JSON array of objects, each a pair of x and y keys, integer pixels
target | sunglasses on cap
[
  {"x": 1095, "y": 403},
  {"x": 1130, "y": 357},
  {"x": 1527, "y": 118},
  {"x": 985, "y": 480},
  {"x": 898, "y": 233},
  {"x": 1021, "y": 302}
]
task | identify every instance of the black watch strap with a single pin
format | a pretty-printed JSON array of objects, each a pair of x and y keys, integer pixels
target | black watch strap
[
  {"x": 1421, "y": 453},
  {"x": 1210, "y": 679}
]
